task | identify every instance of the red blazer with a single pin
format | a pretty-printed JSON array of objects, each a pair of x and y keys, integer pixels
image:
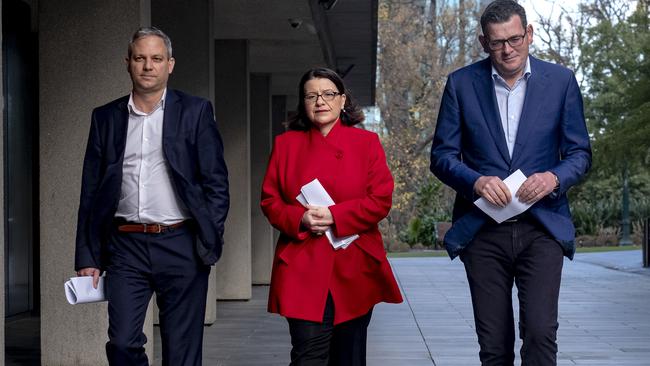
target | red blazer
[{"x": 351, "y": 165}]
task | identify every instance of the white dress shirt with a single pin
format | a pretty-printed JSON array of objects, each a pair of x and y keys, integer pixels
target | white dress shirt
[
  {"x": 148, "y": 194},
  {"x": 511, "y": 102}
]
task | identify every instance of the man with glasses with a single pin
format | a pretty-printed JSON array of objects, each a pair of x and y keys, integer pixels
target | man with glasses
[{"x": 512, "y": 112}]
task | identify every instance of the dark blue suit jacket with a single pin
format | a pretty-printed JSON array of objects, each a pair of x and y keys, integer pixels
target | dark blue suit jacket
[
  {"x": 194, "y": 151},
  {"x": 469, "y": 142}
]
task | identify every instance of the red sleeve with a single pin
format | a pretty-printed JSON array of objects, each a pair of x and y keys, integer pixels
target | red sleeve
[
  {"x": 358, "y": 215},
  {"x": 283, "y": 216}
]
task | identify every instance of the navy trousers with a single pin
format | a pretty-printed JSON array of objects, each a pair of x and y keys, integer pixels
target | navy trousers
[
  {"x": 165, "y": 264},
  {"x": 524, "y": 253}
]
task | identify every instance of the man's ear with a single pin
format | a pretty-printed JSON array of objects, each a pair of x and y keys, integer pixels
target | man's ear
[
  {"x": 483, "y": 40},
  {"x": 172, "y": 62},
  {"x": 529, "y": 33}
]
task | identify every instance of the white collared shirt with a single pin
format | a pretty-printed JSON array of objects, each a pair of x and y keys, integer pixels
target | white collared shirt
[
  {"x": 511, "y": 103},
  {"x": 148, "y": 194}
]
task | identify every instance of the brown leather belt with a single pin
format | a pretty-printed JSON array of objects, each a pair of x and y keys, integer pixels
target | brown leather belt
[{"x": 148, "y": 228}]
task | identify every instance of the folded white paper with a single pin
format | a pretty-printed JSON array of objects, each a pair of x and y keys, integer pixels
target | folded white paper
[
  {"x": 515, "y": 207},
  {"x": 80, "y": 290},
  {"x": 314, "y": 194}
]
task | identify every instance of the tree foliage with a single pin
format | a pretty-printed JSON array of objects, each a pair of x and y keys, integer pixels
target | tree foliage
[
  {"x": 420, "y": 43},
  {"x": 607, "y": 42}
]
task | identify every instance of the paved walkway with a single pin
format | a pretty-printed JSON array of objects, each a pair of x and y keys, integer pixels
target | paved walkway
[{"x": 604, "y": 318}]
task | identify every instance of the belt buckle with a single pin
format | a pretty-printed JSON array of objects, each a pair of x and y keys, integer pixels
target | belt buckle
[{"x": 152, "y": 225}]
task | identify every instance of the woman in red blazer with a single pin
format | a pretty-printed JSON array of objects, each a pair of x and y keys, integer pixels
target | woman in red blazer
[{"x": 328, "y": 294}]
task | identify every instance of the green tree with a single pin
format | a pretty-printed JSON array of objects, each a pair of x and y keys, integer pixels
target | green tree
[{"x": 608, "y": 44}]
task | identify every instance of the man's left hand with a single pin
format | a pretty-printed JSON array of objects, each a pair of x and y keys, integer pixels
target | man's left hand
[{"x": 536, "y": 187}]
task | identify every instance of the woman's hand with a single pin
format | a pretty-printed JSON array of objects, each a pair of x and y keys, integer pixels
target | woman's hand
[{"x": 317, "y": 219}]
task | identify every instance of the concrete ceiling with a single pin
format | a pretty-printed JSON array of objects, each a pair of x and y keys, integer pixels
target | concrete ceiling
[{"x": 287, "y": 37}]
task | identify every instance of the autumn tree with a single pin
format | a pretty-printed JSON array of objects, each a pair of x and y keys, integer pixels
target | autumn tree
[{"x": 420, "y": 43}]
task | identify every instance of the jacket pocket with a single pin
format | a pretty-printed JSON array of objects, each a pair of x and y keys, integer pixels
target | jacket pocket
[
  {"x": 289, "y": 250},
  {"x": 372, "y": 245}
]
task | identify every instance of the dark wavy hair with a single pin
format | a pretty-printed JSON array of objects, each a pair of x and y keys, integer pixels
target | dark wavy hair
[
  {"x": 501, "y": 11},
  {"x": 350, "y": 116}
]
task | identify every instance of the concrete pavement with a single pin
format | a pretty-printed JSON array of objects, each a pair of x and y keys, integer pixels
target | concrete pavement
[{"x": 604, "y": 318}]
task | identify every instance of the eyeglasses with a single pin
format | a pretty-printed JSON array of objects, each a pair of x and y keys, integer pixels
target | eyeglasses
[
  {"x": 327, "y": 96},
  {"x": 498, "y": 44}
]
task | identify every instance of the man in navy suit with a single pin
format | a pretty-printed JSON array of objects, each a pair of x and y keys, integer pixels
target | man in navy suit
[
  {"x": 154, "y": 199},
  {"x": 512, "y": 111}
]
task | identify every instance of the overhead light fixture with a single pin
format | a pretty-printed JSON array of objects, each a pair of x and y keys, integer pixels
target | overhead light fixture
[{"x": 328, "y": 4}]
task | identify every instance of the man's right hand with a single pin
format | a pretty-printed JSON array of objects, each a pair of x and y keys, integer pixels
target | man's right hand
[
  {"x": 90, "y": 271},
  {"x": 493, "y": 189}
]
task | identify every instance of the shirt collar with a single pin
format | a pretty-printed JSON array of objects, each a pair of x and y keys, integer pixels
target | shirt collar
[
  {"x": 134, "y": 110},
  {"x": 527, "y": 72}
]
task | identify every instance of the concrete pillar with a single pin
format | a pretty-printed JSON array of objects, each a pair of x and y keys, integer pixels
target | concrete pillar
[
  {"x": 278, "y": 118},
  {"x": 82, "y": 46},
  {"x": 261, "y": 140},
  {"x": 187, "y": 23},
  {"x": 232, "y": 114},
  {"x": 278, "y": 113},
  {"x": 2, "y": 218}
]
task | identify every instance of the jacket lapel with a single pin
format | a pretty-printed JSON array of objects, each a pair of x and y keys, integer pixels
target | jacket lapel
[
  {"x": 171, "y": 118},
  {"x": 121, "y": 124},
  {"x": 484, "y": 88},
  {"x": 534, "y": 100}
]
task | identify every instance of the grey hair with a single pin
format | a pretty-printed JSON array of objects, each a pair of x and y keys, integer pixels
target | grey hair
[
  {"x": 500, "y": 11},
  {"x": 151, "y": 31}
]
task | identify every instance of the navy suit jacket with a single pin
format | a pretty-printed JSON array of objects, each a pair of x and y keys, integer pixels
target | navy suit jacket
[
  {"x": 469, "y": 142},
  {"x": 194, "y": 151}
]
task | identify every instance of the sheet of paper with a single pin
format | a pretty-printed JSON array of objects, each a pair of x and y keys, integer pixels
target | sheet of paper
[
  {"x": 313, "y": 193},
  {"x": 515, "y": 207},
  {"x": 80, "y": 290}
]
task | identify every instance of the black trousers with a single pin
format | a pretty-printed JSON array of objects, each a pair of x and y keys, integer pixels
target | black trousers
[
  {"x": 523, "y": 253},
  {"x": 326, "y": 344},
  {"x": 139, "y": 265}
]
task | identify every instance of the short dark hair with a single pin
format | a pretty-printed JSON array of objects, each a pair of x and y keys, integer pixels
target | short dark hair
[
  {"x": 350, "y": 117},
  {"x": 151, "y": 31},
  {"x": 500, "y": 11}
]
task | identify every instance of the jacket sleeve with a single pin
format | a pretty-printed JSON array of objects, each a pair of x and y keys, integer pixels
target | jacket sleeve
[
  {"x": 358, "y": 215},
  {"x": 212, "y": 168},
  {"x": 90, "y": 180},
  {"x": 282, "y": 215},
  {"x": 575, "y": 149},
  {"x": 446, "y": 158}
]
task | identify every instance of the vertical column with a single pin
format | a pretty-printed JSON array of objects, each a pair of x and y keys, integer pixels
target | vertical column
[
  {"x": 2, "y": 219},
  {"x": 187, "y": 23},
  {"x": 278, "y": 118},
  {"x": 261, "y": 140},
  {"x": 232, "y": 114},
  {"x": 81, "y": 65},
  {"x": 279, "y": 113}
]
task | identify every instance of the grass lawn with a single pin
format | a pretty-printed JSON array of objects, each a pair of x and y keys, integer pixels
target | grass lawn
[{"x": 442, "y": 253}]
